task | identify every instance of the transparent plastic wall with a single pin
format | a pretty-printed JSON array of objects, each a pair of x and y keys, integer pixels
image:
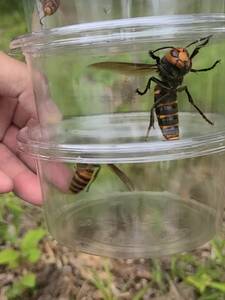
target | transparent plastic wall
[
  {"x": 65, "y": 64},
  {"x": 82, "y": 11},
  {"x": 109, "y": 187},
  {"x": 175, "y": 206}
]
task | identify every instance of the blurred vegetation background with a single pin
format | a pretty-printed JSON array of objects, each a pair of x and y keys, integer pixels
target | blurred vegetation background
[
  {"x": 12, "y": 22},
  {"x": 26, "y": 268}
]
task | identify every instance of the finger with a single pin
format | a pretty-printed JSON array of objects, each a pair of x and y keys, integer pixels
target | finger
[
  {"x": 27, "y": 187},
  {"x": 48, "y": 112},
  {"x": 24, "y": 111},
  {"x": 6, "y": 183},
  {"x": 14, "y": 76},
  {"x": 10, "y": 140},
  {"x": 26, "y": 108},
  {"x": 15, "y": 82},
  {"x": 58, "y": 174},
  {"x": 7, "y": 109},
  {"x": 25, "y": 182}
]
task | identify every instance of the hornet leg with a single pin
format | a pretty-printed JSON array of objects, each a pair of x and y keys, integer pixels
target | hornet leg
[
  {"x": 154, "y": 79},
  {"x": 190, "y": 99},
  {"x": 196, "y": 50},
  {"x": 205, "y": 39},
  {"x": 155, "y": 57},
  {"x": 94, "y": 177},
  {"x": 206, "y": 69},
  {"x": 122, "y": 176},
  {"x": 151, "y": 123}
]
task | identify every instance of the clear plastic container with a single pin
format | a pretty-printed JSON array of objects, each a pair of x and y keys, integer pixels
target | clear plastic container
[
  {"x": 68, "y": 12},
  {"x": 161, "y": 205},
  {"x": 107, "y": 189}
]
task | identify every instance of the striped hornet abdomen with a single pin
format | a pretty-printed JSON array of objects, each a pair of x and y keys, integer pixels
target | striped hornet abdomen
[{"x": 49, "y": 7}]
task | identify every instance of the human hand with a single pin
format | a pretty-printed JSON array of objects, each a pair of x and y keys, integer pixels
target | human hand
[
  {"x": 17, "y": 172},
  {"x": 17, "y": 109}
]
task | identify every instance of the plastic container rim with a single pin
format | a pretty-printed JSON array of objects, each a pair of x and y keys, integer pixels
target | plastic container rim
[
  {"x": 160, "y": 28},
  {"x": 121, "y": 153}
]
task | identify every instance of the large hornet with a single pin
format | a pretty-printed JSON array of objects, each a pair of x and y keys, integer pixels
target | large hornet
[
  {"x": 171, "y": 68},
  {"x": 85, "y": 175}
]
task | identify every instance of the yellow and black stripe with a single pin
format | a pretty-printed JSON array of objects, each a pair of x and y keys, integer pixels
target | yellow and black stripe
[
  {"x": 81, "y": 178},
  {"x": 50, "y": 6},
  {"x": 167, "y": 112}
]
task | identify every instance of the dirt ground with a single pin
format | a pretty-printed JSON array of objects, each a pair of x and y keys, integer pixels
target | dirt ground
[{"x": 65, "y": 275}]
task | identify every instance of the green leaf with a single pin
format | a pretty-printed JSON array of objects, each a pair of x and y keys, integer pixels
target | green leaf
[
  {"x": 218, "y": 286},
  {"x": 9, "y": 257},
  {"x": 3, "y": 230},
  {"x": 211, "y": 295},
  {"x": 140, "y": 294},
  {"x": 102, "y": 285},
  {"x": 199, "y": 281},
  {"x": 25, "y": 282},
  {"x": 31, "y": 239},
  {"x": 15, "y": 290},
  {"x": 14, "y": 206},
  {"x": 33, "y": 255},
  {"x": 218, "y": 247},
  {"x": 158, "y": 274},
  {"x": 28, "y": 280}
]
